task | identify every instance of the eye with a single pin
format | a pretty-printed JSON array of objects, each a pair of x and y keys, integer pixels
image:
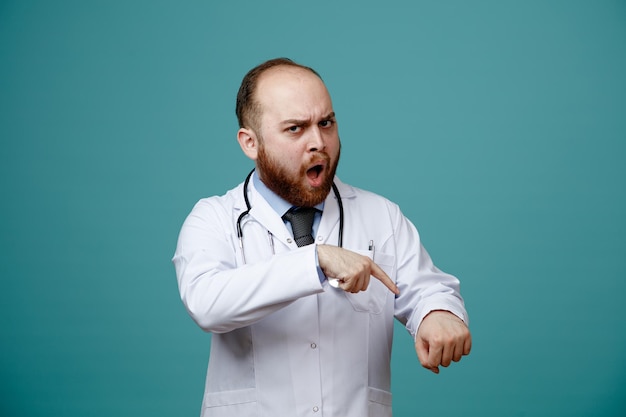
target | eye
[
  {"x": 294, "y": 129},
  {"x": 326, "y": 123}
]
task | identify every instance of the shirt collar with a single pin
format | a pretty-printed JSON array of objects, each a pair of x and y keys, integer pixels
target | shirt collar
[{"x": 279, "y": 205}]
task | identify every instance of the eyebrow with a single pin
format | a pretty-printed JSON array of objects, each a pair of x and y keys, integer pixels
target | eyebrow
[{"x": 305, "y": 122}]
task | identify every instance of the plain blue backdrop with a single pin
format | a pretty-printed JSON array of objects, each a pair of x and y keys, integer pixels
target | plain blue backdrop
[{"x": 498, "y": 126}]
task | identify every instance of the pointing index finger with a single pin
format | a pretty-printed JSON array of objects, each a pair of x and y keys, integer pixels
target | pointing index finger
[{"x": 377, "y": 272}]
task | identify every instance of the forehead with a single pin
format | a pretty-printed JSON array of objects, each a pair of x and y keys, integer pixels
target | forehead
[{"x": 292, "y": 93}]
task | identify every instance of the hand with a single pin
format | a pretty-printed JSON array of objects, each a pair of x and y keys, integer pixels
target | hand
[
  {"x": 351, "y": 269},
  {"x": 441, "y": 338}
]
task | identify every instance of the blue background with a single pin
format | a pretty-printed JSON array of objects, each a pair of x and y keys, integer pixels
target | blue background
[{"x": 498, "y": 126}]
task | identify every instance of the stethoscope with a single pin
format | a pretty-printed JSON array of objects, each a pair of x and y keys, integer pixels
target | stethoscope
[{"x": 249, "y": 207}]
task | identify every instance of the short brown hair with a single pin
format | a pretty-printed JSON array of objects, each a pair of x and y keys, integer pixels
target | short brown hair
[{"x": 248, "y": 109}]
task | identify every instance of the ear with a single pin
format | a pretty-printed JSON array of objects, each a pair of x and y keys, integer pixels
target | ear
[{"x": 249, "y": 143}]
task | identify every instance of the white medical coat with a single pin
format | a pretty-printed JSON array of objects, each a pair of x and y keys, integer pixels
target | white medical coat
[{"x": 283, "y": 344}]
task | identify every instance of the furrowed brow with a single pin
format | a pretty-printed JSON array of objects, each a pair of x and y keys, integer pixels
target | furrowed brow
[
  {"x": 296, "y": 122},
  {"x": 306, "y": 122}
]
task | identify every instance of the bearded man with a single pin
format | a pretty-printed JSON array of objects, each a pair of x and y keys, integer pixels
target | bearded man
[{"x": 298, "y": 276}]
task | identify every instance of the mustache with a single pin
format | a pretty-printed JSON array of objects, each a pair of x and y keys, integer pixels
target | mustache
[{"x": 319, "y": 156}]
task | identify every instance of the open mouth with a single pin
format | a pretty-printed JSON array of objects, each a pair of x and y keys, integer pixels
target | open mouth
[
  {"x": 315, "y": 171},
  {"x": 314, "y": 174}
]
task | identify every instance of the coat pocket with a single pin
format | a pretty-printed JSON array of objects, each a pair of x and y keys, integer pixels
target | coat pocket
[
  {"x": 240, "y": 403},
  {"x": 374, "y": 298},
  {"x": 379, "y": 403}
]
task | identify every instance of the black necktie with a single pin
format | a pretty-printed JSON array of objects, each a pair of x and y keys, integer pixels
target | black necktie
[{"x": 301, "y": 220}]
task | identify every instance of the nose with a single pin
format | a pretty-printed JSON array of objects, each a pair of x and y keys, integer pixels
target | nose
[{"x": 316, "y": 140}]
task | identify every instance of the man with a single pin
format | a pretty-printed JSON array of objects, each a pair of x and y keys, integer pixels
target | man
[{"x": 302, "y": 322}]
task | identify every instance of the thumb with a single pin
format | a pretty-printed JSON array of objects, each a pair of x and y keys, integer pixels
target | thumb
[{"x": 422, "y": 349}]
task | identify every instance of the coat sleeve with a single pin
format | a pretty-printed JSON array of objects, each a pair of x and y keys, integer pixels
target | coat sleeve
[
  {"x": 423, "y": 287},
  {"x": 220, "y": 295}
]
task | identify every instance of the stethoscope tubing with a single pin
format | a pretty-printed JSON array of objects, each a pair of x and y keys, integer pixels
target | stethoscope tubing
[{"x": 249, "y": 207}]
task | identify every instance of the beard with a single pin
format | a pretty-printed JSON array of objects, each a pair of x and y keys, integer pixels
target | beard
[{"x": 291, "y": 187}]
